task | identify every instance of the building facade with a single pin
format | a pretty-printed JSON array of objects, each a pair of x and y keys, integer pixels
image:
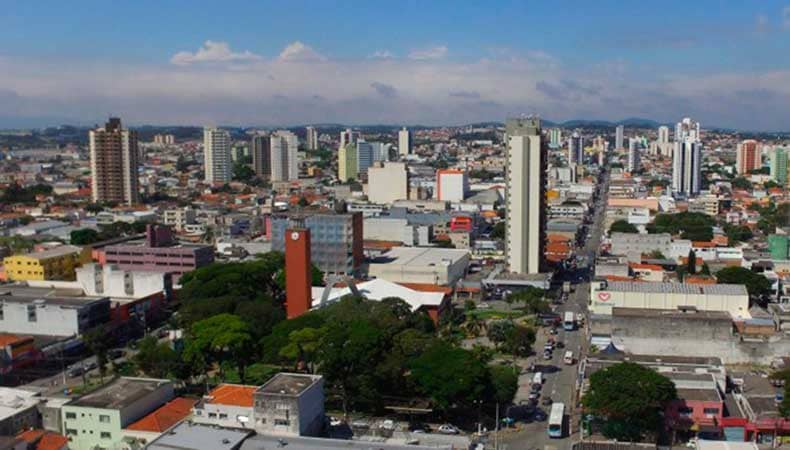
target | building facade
[
  {"x": 217, "y": 164},
  {"x": 52, "y": 316},
  {"x": 56, "y": 263},
  {"x": 619, "y": 134},
  {"x": 404, "y": 142},
  {"x": 114, "y": 163},
  {"x": 452, "y": 185},
  {"x": 525, "y": 195},
  {"x": 687, "y": 167},
  {"x": 311, "y": 138},
  {"x": 347, "y": 161},
  {"x": 388, "y": 182},
  {"x": 260, "y": 148},
  {"x": 748, "y": 157},
  {"x": 284, "y": 156},
  {"x": 779, "y": 165},
  {"x": 634, "y": 160},
  {"x": 290, "y": 404},
  {"x": 576, "y": 148}
]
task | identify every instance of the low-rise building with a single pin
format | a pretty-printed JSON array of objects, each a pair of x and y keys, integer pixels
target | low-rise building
[
  {"x": 634, "y": 245},
  {"x": 18, "y": 411},
  {"x": 227, "y": 405},
  {"x": 97, "y": 420},
  {"x": 51, "y": 315},
  {"x": 54, "y": 264},
  {"x": 197, "y": 436},
  {"x": 154, "y": 424},
  {"x": 290, "y": 404},
  {"x": 429, "y": 265}
]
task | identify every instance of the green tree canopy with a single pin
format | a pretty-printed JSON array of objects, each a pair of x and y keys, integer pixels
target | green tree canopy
[
  {"x": 449, "y": 375},
  {"x": 757, "y": 285},
  {"x": 157, "y": 360},
  {"x": 220, "y": 338},
  {"x": 630, "y": 399},
  {"x": 742, "y": 183},
  {"x": 690, "y": 225},
  {"x": 622, "y": 226},
  {"x": 84, "y": 236}
]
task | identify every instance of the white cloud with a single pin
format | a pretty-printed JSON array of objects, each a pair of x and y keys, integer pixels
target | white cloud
[
  {"x": 429, "y": 53},
  {"x": 382, "y": 54},
  {"x": 213, "y": 52},
  {"x": 297, "y": 51}
]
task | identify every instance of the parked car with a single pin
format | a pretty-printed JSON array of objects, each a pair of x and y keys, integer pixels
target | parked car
[
  {"x": 334, "y": 421},
  {"x": 387, "y": 424},
  {"x": 75, "y": 371},
  {"x": 546, "y": 355},
  {"x": 419, "y": 427},
  {"x": 447, "y": 429},
  {"x": 91, "y": 365}
]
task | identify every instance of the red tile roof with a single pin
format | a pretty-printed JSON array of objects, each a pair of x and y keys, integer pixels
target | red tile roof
[
  {"x": 427, "y": 287},
  {"x": 52, "y": 441},
  {"x": 6, "y": 339},
  {"x": 232, "y": 394},
  {"x": 165, "y": 417},
  {"x": 31, "y": 436}
]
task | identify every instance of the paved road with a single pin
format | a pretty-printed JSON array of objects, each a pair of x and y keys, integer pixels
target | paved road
[{"x": 561, "y": 379}]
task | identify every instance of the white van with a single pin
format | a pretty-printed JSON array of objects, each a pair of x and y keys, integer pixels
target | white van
[
  {"x": 537, "y": 379},
  {"x": 568, "y": 357}
]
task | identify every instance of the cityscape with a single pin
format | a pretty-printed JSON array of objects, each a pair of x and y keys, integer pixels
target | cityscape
[{"x": 472, "y": 236}]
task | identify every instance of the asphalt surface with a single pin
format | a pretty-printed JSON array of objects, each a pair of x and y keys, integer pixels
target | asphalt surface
[{"x": 560, "y": 379}]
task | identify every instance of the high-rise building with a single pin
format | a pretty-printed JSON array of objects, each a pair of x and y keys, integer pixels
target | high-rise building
[
  {"x": 311, "y": 138},
  {"x": 365, "y": 157},
  {"x": 619, "y": 132},
  {"x": 663, "y": 135},
  {"x": 525, "y": 195},
  {"x": 404, "y": 141},
  {"x": 634, "y": 159},
  {"x": 347, "y": 163},
  {"x": 261, "y": 156},
  {"x": 336, "y": 240},
  {"x": 348, "y": 137},
  {"x": 555, "y": 137},
  {"x": 452, "y": 185},
  {"x": 114, "y": 163},
  {"x": 576, "y": 149},
  {"x": 779, "y": 165},
  {"x": 748, "y": 156},
  {"x": 388, "y": 182},
  {"x": 686, "y": 167},
  {"x": 216, "y": 156},
  {"x": 284, "y": 156},
  {"x": 381, "y": 151},
  {"x": 687, "y": 128}
]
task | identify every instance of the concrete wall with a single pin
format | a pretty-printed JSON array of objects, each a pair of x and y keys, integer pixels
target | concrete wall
[
  {"x": 86, "y": 427},
  {"x": 231, "y": 416},
  {"x": 51, "y": 320},
  {"x": 147, "y": 404},
  {"x": 692, "y": 337},
  {"x": 602, "y": 301}
]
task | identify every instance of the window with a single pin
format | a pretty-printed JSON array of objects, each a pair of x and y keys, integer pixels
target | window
[
  {"x": 71, "y": 415},
  {"x": 282, "y": 422},
  {"x": 223, "y": 416},
  {"x": 212, "y": 415},
  {"x": 71, "y": 432},
  {"x": 31, "y": 313},
  {"x": 106, "y": 435},
  {"x": 711, "y": 410},
  {"x": 1, "y": 313},
  {"x": 685, "y": 411},
  {"x": 103, "y": 418}
]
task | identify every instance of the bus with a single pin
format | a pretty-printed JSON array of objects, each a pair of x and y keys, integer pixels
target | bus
[
  {"x": 569, "y": 324},
  {"x": 556, "y": 420}
]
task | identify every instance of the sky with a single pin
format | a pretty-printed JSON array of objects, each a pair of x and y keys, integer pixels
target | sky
[{"x": 429, "y": 62}]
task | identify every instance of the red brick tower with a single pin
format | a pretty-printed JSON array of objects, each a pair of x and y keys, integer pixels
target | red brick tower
[{"x": 298, "y": 273}]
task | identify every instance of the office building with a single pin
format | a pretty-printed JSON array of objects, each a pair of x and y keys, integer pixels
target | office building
[
  {"x": 687, "y": 167},
  {"x": 97, "y": 420},
  {"x": 525, "y": 195},
  {"x": 748, "y": 157},
  {"x": 452, "y": 185},
  {"x": 663, "y": 135},
  {"x": 575, "y": 149},
  {"x": 662, "y": 145},
  {"x": 217, "y": 163},
  {"x": 365, "y": 157},
  {"x": 555, "y": 137},
  {"x": 779, "y": 165},
  {"x": 311, "y": 138},
  {"x": 347, "y": 161},
  {"x": 261, "y": 150},
  {"x": 388, "y": 182},
  {"x": 57, "y": 263},
  {"x": 114, "y": 163},
  {"x": 290, "y": 404},
  {"x": 284, "y": 156},
  {"x": 348, "y": 137},
  {"x": 335, "y": 239},
  {"x": 404, "y": 142},
  {"x": 618, "y": 137},
  {"x": 634, "y": 160}
]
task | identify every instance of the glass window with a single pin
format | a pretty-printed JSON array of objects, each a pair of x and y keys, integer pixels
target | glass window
[
  {"x": 71, "y": 415},
  {"x": 223, "y": 416},
  {"x": 106, "y": 435},
  {"x": 711, "y": 410},
  {"x": 212, "y": 415},
  {"x": 282, "y": 422},
  {"x": 71, "y": 432},
  {"x": 103, "y": 418}
]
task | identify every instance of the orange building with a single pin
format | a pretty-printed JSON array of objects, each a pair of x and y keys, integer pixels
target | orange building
[{"x": 298, "y": 272}]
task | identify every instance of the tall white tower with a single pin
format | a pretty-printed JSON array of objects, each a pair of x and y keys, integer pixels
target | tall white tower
[
  {"x": 216, "y": 155},
  {"x": 525, "y": 195},
  {"x": 404, "y": 141},
  {"x": 634, "y": 159}
]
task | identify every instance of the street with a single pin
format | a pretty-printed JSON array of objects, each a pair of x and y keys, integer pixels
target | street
[{"x": 560, "y": 379}]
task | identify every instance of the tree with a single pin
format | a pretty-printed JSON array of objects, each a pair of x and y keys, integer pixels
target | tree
[
  {"x": 303, "y": 345},
  {"x": 220, "y": 338},
  {"x": 519, "y": 340},
  {"x": 656, "y": 254},
  {"x": 504, "y": 383},
  {"x": 499, "y": 330},
  {"x": 85, "y": 236},
  {"x": 757, "y": 285},
  {"x": 692, "y": 226},
  {"x": 498, "y": 231},
  {"x": 737, "y": 233},
  {"x": 449, "y": 375},
  {"x": 97, "y": 342},
  {"x": 157, "y": 359},
  {"x": 622, "y": 226},
  {"x": 533, "y": 299},
  {"x": 691, "y": 267},
  {"x": 742, "y": 183},
  {"x": 630, "y": 399},
  {"x": 242, "y": 172}
]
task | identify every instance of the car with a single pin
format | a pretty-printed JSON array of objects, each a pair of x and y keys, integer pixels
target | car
[
  {"x": 419, "y": 427},
  {"x": 91, "y": 365},
  {"x": 334, "y": 421},
  {"x": 360, "y": 423},
  {"x": 533, "y": 397},
  {"x": 447, "y": 429},
  {"x": 387, "y": 424},
  {"x": 546, "y": 401},
  {"x": 560, "y": 344},
  {"x": 483, "y": 305},
  {"x": 546, "y": 355},
  {"x": 75, "y": 371}
]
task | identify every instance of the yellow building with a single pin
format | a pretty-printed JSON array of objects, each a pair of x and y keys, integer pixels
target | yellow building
[
  {"x": 54, "y": 264},
  {"x": 347, "y": 163}
]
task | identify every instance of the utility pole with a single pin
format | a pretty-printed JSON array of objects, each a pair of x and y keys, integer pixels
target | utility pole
[{"x": 496, "y": 430}]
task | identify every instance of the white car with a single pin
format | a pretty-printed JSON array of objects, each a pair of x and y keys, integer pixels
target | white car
[
  {"x": 335, "y": 422},
  {"x": 447, "y": 429}
]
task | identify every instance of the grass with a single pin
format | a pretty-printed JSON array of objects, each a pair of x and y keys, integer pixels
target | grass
[{"x": 487, "y": 314}]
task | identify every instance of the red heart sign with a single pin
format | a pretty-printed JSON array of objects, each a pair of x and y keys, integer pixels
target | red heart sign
[{"x": 604, "y": 296}]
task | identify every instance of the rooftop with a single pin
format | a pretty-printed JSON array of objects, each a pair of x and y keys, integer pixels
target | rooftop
[
  {"x": 165, "y": 417},
  {"x": 13, "y": 401},
  {"x": 264, "y": 442},
  {"x": 677, "y": 288},
  {"x": 700, "y": 395},
  {"x": 231, "y": 394},
  {"x": 26, "y": 297},
  {"x": 119, "y": 393},
  {"x": 671, "y": 313},
  {"x": 289, "y": 384},
  {"x": 193, "y": 436},
  {"x": 420, "y": 256},
  {"x": 378, "y": 289},
  {"x": 54, "y": 252}
]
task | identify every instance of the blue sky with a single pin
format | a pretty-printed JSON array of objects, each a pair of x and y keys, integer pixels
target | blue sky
[{"x": 431, "y": 62}]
